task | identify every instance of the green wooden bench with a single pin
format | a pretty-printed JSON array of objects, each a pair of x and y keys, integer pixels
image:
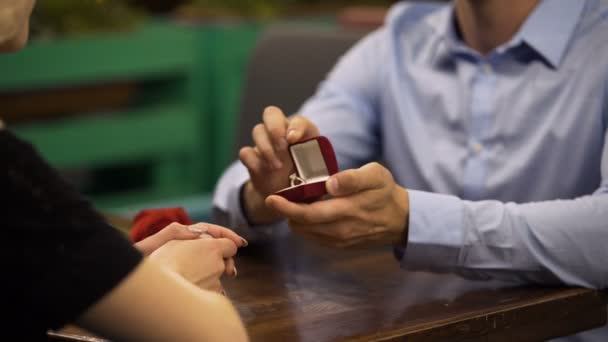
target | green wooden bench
[
  {"x": 182, "y": 123},
  {"x": 164, "y": 128}
]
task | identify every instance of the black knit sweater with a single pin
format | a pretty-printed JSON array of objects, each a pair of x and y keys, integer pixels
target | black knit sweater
[{"x": 59, "y": 255}]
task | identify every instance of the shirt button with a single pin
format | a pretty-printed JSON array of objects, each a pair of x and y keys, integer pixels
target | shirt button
[{"x": 486, "y": 68}]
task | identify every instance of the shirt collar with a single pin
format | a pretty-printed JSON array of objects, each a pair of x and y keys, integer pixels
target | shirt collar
[
  {"x": 547, "y": 29},
  {"x": 550, "y": 26}
]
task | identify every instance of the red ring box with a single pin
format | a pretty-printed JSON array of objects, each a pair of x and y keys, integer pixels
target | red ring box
[{"x": 315, "y": 161}]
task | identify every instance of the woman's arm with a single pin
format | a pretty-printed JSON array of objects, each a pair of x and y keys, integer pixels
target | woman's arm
[{"x": 153, "y": 303}]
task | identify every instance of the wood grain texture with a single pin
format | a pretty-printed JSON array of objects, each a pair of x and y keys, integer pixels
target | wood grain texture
[{"x": 292, "y": 290}]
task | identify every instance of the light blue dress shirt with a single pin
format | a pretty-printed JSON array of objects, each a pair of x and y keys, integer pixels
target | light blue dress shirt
[{"x": 505, "y": 156}]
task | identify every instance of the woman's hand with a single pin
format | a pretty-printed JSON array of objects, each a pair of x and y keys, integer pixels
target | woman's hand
[
  {"x": 176, "y": 231},
  {"x": 201, "y": 261}
]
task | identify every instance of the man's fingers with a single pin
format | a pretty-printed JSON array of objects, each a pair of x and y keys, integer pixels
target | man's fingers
[
  {"x": 276, "y": 124},
  {"x": 338, "y": 235},
  {"x": 222, "y": 232},
  {"x": 252, "y": 161},
  {"x": 300, "y": 128},
  {"x": 318, "y": 212},
  {"x": 319, "y": 230},
  {"x": 309, "y": 235},
  {"x": 264, "y": 145},
  {"x": 368, "y": 177},
  {"x": 323, "y": 234}
]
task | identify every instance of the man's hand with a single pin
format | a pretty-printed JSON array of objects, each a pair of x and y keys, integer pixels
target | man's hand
[
  {"x": 268, "y": 163},
  {"x": 367, "y": 208}
]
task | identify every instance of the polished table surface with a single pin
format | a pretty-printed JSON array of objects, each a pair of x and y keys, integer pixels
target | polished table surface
[{"x": 293, "y": 290}]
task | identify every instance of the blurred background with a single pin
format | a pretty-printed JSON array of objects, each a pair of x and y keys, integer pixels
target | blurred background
[{"x": 143, "y": 103}]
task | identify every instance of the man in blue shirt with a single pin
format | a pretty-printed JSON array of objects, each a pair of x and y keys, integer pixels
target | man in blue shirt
[{"x": 491, "y": 120}]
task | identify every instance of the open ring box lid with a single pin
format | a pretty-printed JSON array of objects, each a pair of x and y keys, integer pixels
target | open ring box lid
[{"x": 315, "y": 161}]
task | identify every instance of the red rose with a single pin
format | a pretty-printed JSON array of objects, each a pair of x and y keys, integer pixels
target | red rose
[{"x": 150, "y": 221}]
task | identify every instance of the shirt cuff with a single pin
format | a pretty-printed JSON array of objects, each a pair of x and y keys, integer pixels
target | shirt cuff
[
  {"x": 227, "y": 198},
  {"x": 436, "y": 232}
]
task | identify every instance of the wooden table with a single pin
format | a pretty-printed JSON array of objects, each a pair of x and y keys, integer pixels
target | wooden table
[{"x": 292, "y": 290}]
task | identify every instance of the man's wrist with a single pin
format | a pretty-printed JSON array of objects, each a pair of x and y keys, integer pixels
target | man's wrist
[
  {"x": 253, "y": 207},
  {"x": 403, "y": 224},
  {"x": 245, "y": 203}
]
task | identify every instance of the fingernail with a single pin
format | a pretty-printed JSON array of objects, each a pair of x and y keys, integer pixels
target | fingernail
[
  {"x": 205, "y": 236},
  {"x": 282, "y": 144},
  {"x": 197, "y": 229},
  {"x": 245, "y": 243},
  {"x": 235, "y": 272},
  {"x": 333, "y": 185},
  {"x": 291, "y": 133}
]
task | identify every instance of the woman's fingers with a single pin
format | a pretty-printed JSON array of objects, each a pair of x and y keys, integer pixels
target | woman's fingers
[
  {"x": 226, "y": 248},
  {"x": 222, "y": 232},
  {"x": 230, "y": 268},
  {"x": 174, "y": 231}
]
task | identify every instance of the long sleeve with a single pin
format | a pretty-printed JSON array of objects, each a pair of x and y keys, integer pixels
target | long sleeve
[
  {"x": 346, "y": 107},
  {"x": 59, "y": 256},
  {"x": 558, "y": 241},
  {"x": 227, "y": 208},
  {"x": 519, "y": 137},
  {"x": 345, "y": 110}
]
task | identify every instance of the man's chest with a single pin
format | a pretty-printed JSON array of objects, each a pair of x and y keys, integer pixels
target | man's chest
[{"x": 506, "y": 124}]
